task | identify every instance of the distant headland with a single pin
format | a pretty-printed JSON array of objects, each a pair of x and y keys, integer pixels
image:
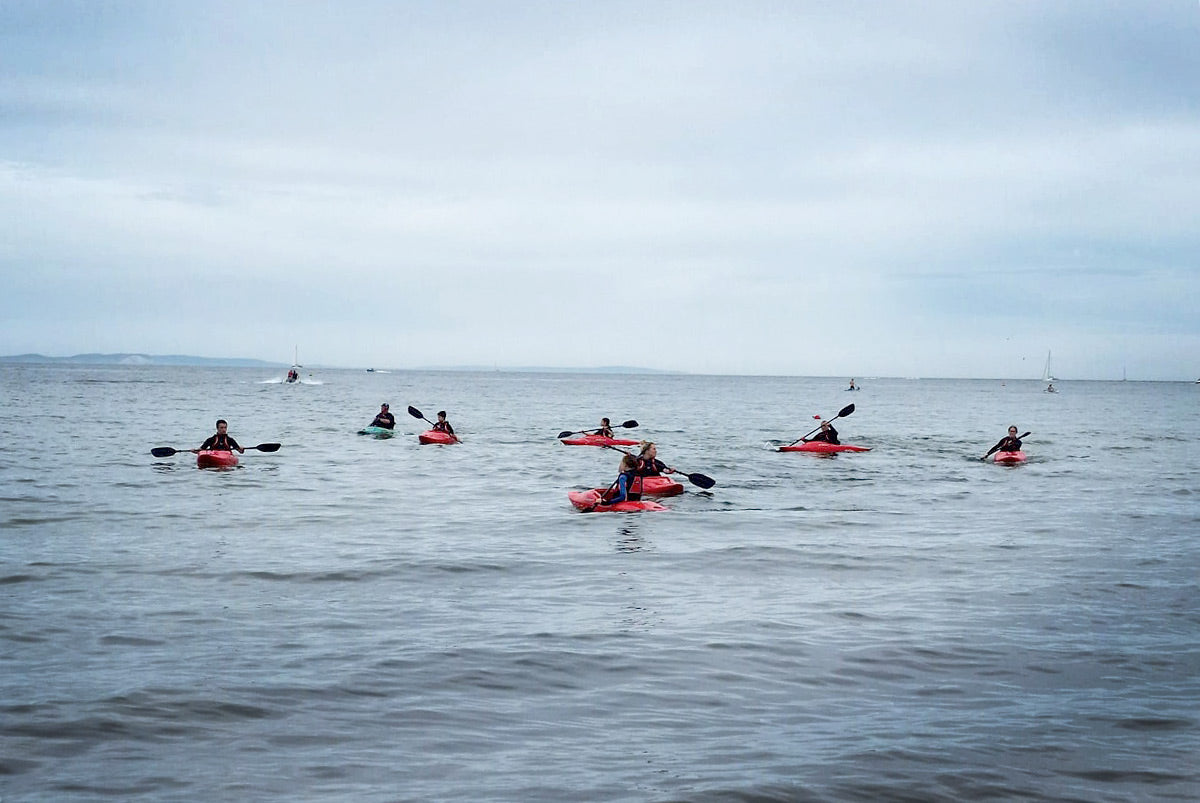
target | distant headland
[
  {"x": 142, "y": 359},
  {"x": 244, "y": 362}
]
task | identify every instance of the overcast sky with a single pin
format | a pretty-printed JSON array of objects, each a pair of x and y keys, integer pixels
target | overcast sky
[{"x": 814, "y": 188}]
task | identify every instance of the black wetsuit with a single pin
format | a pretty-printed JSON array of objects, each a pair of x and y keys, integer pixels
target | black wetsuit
[
  {"x": 443, "y": 426},
  {"x": 1008, "y": 443},
  {"x": 826, "y": 436},
  {"x": 385, "y": 420},
  {"x": 220, "y": 443}
]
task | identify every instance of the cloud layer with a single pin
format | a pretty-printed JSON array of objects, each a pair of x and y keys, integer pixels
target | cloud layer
[{"x": 857, "y": 189}]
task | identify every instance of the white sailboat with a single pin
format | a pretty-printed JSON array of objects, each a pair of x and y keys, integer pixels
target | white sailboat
[{"x": 1047, "y": 376}]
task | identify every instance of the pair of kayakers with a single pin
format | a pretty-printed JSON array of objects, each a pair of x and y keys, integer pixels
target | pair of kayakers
[
  {"x": 644, "y": 464},
  {"x": 385, "y": 420}
]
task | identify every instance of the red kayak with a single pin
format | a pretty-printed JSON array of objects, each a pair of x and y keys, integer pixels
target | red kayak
[
  {"x": 434, "y": 436},
  {"x": 654, "y": 486},
  {"x": 1009, "y": 458},
  {"x": 598, "y": 440},
  {"x": 211, "y": 458},
  {"x": 586, "y": 500},
  {"x": 821, "y": 447}
]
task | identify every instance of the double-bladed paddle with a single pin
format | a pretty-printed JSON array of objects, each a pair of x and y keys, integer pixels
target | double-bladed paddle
[
  {"x": 700, "y": 480},
  {"x": 630, "y": 424},
  {"x": 842, "y": 413},
  {"x": 415, "y": 413},
  {"x": 167, "y": 451},
  {"x": 997, "y": 446}
]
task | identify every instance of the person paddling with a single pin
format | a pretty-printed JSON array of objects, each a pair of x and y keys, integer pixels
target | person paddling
[
  {"x": 442, "y": 424},
  {"x": 221, "y": 442},
  {"x": 648, "y": 464},
  {"x": 625, "y": 483},
  {"x": 605, "y": 430},
  {"x": 385, "y": 419},
  {"x": 1009, "y": 443},
  {"x": 827, "y": 434}
]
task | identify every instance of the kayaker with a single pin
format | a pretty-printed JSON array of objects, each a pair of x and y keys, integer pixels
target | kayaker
[
  {"x": 1009, "y": 443},
  {"x": 384, "y": 419},
  {"x": 605, "y": 430},
  {"x": 827, "y": 434},
  {"x": 221, "y": 442},
  {"x": 442, "y": 424},
  {"x": 625, "y": 483},
  {"x": 648, "y": 464},
  {"x": 852, "y": 385}
]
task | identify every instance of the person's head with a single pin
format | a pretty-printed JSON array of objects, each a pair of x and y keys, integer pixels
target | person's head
[
  {"x": 441, "y": 415},
  {"x": 628, "y": 463},
  {"x": 825, "y": 427},
  {"x": 604, "y": 422},
  {"x": 222, "y": 426},
  {"x": 383, "y": 408},
  {"x": 648, "y": 450},
  {"x": 1012, "y": 431}
]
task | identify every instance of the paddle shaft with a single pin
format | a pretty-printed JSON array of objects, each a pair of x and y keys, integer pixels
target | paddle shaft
[{"x": 167, "y": 451}]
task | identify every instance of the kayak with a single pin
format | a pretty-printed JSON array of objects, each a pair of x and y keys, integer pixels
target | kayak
[
  {"x": 211, "y": 458},
  {"x": 433, "y": 436},
  {"x": 821, "y": 447},
  {"x": 379, "y": 432},
  {"x": 654, "y": 486},
  {"x": 598, "y": 440},
  {"x": 1009, "y": 458},
  {"x": 584, "y": 500}
]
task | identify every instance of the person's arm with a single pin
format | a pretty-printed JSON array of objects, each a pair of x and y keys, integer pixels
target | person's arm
[
  {"x": 622, "y": 491},
  {"x": 234, "y": 445},
  {"x": 208, "y": 444},
  {"x": 996, "y": 447}
]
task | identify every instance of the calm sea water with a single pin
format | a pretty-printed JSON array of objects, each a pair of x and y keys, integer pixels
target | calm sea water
[{"x": 373, "y": 620}]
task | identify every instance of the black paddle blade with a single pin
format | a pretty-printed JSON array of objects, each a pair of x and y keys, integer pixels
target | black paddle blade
[
  {"x": 268, "y": 447},
  {"x": 163, "y": 451},
  {"x": 565, "y": 434},
  {"x": 701, "y": 480},
  {"x": 630, "y": 424},
  {"x": 845, "y": 411},
  {"x": 414, "y": 412}
]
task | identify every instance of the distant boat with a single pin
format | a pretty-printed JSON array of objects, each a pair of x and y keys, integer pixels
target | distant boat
[
  {"x": 294, "y": 371},
  {"x": 1048, "y": 376}
]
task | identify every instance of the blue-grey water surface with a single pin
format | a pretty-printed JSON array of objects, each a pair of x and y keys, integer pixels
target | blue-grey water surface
[{"x": 372, "y": 620}]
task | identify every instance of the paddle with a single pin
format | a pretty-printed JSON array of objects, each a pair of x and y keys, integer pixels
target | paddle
[
  {"x": 842, "y": 413},
  {"x": 997, "y": 446},
  {"x": 700, "y": 480},
  {"x": 630, "y": 424},
  {"x": 167, "y": 451},
  {"x": 415, "y": 413}
]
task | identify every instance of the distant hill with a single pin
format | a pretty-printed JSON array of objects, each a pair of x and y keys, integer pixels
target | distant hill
[{"x": 142, "y": 359}]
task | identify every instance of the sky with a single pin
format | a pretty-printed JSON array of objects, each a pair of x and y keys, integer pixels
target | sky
[{"x": 934, "y": 189}]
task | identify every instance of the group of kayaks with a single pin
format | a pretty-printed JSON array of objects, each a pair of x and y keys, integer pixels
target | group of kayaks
[{"x": 433, "y": 435}]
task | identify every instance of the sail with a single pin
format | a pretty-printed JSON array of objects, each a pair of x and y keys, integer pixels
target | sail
[{"x": 1047, "y": 375}]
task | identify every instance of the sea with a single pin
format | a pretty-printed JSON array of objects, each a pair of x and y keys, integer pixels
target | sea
[{"x": 352, "y": 618}]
